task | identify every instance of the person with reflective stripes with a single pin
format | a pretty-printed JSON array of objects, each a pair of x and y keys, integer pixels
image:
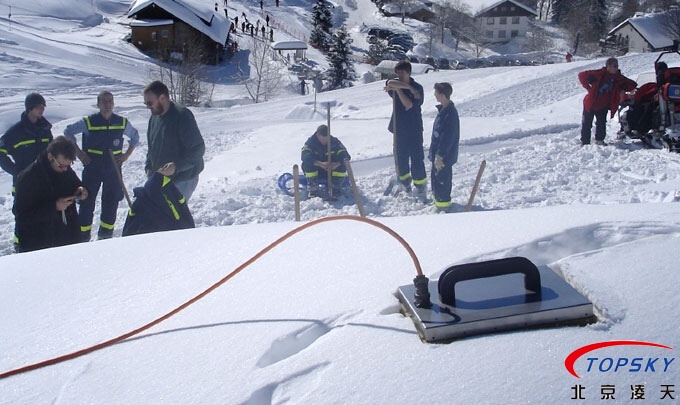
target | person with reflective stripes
[
  {"x": 24, "y": 141},
  {"x": 102, "y": 134},
  {"x": 444, "y": 146},
  {"x": 315, "y": 163}
]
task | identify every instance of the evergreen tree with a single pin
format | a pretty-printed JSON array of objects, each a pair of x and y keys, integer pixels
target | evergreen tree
[
  {"x": 560, "y": 10},
  {"x": 377, "y": 49},
  {"x": 321, "y": 36},
  {"x": 596, "y": 20},
  {"x": 341, "y": 72}
]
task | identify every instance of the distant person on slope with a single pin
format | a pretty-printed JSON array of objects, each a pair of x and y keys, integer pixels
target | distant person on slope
[
  {"x": 102, "y": 135},
  {"x": 407, "y": 123},
  {"x": 315, "y": 163},
  {"x": 175, "y": 144},
  {"x": 444, "y": 146},
  {"x": 605, "y": 88}
]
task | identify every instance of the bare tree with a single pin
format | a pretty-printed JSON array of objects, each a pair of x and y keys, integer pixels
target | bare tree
[
  {"x": 670, "y": 23},
  {"x": 266, "y": 79},
  {"x": 404, "y": 6},
  {"x": 540, "y": 41},
  {"x": 184, "y": 73}
]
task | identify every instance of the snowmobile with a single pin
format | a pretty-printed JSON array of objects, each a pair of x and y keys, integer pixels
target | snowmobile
[{"x": 651, "y": 113}]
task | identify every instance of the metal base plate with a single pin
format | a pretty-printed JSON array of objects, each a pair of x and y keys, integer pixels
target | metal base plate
[{"x": 496, "y": 304}]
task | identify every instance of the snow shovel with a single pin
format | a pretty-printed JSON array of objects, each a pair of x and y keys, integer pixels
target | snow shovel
[{"x": 395, "y": 180}]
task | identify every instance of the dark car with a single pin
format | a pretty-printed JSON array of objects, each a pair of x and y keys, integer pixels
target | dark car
[
  {"x": 430, "y": 61},
  {"x": 444, "y": 64},
  {"x": 413, "y": 59},
  {"x": 459, "y": 64}
]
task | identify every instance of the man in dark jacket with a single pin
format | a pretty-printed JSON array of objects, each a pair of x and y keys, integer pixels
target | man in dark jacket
[
  {"x": 24, "y": 141},
  {"x": 175, "y": 144},
  {"x": 315, "y": 162},
  {"x": 44, "y": 204},
  {"x": 407, "y": 125},
  {"x": 605, "y": 87},
  {"x": 444, "y": 146}
]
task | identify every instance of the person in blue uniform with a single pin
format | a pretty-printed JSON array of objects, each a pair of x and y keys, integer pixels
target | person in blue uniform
[
  {"x": 25, "y": 140},
  {"x": 444, "y": 146},
  {"x": 102, "y": 135},
  {"x": 315, "y": 162}
]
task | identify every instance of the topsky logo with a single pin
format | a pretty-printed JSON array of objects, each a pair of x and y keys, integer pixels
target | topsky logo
[{"x": 606, "y": 364}]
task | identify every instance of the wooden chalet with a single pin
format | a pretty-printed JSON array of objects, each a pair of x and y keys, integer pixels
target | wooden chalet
[
  {"x": 180, "y": 29},
  {"x": 505, "y": 20}
]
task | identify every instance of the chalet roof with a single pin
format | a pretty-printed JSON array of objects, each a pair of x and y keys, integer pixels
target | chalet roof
[
  {"x": 516, "y": 3},
  {"x": 199, "y": 14},
  {"x": 650, "y": 27},
  {"x": 288, "y": 45}
]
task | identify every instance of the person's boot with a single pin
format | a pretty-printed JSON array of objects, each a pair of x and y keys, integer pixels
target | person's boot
[
  {"x": 312, "y": 188},
  {"x": 104, "y": 234}
]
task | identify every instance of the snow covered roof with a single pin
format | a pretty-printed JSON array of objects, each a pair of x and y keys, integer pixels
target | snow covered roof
[
  {"x": 199, "y": 14},
  {"x": 516, "y": 3},
  {"x": 288, "y": 45},
  {"x": 650, "y": 27},
  {"x": 150, "y": 23}
]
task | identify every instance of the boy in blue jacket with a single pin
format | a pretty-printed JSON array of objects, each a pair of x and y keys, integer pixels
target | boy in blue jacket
[{"x": 444, "y": 146}]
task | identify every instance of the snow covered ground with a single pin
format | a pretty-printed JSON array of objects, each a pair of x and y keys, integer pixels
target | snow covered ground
[{"x": 315, "y": 319}]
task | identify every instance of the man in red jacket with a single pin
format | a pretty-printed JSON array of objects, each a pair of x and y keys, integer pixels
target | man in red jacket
[{"x": 605, "y": 87}]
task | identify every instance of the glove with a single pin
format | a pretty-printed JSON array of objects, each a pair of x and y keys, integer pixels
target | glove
[{"x": 438, "y": 163}]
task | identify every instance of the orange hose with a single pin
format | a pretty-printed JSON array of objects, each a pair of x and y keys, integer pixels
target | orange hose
[{"x": 212, "y": 288}]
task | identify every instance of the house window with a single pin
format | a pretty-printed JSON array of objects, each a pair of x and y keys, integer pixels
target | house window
[
  {"x": 503, "y": 20},
  {"x": 154, "y": 36},
  {"x": 489, "y": 34},
  {"x": 501, "y": 34},
  {"x": 514, "y": 33},
  {"x": 512, "y": 8},
  {"x": 489, "y": 20},
  {"x": 515, "y": 20},
  {"x": 165, "y": 33}
]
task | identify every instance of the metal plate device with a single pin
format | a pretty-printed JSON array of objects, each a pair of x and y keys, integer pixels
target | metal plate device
[{"x": 494, "y": 296}]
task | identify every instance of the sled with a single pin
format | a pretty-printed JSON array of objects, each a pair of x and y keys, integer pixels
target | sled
[{"x": 286, "y": 184}]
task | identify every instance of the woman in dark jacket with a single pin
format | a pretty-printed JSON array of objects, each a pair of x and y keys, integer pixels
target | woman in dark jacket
[
  {"x": 44, "y": 204},
  {"x": 444, "y": 146}
]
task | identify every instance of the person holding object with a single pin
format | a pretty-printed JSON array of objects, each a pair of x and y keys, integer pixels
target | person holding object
[
  {"x": 407, "y": 123},
  {"x": 605, "y": 88},
  {"x": 102, "y": 135},
  {"x": 315, "y": 162},
  {"x": 175, "y": 144},
  {"x": 46, "y": 191},
  {"x": 444, "y": 146}
]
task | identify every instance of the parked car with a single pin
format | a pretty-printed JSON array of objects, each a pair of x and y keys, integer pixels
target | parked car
[
  {"x": 459, "y": 64},
  {"x": 430, "y": 61},
  {"x": 444, "y": 64},
  {"x": 413, "y": 59}
]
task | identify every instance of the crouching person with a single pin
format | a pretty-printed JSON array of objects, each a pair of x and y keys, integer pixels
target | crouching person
[
  {"x": 44, "y": 204},
  {"x": 315, "y": 162}
]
